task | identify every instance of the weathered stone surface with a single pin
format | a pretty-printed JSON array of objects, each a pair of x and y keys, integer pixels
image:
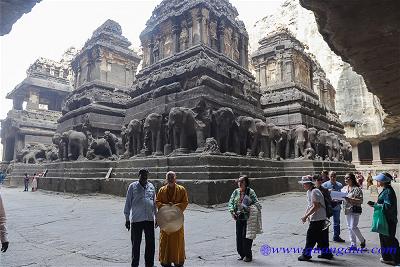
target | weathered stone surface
[
  {"x": 46, "y": 85},
  {"x": 375, "y": 52},
  {"x": 194, "y": 108},
  {"x": 209, "y": 179},
  {"x": 295, "y": 90},
  {"x": 104, "y": 71},
  {"x": 301, "y": 23},
  {"x": 13, "y": 10},
  {"x": 360, "y": 110}
]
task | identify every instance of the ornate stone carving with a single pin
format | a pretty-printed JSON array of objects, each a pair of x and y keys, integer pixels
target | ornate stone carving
[
  {"x": 300, "y": 140},
  {"x": 211, "y": 147},
  {"x": 223, "y": 119}
]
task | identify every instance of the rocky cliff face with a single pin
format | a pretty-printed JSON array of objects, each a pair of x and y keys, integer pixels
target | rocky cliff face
[{"x": 361, "y": 115}]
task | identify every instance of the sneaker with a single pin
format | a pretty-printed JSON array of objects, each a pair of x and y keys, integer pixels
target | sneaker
[
  {"x": 304, "y": 258},
  {"x": 326, "y": 256},
  {"x": 387, "y": 262},
  {"x": 362, "y": 244},
  {"x": 338, "y": 239},
  {"x": 240, "y": 258}
]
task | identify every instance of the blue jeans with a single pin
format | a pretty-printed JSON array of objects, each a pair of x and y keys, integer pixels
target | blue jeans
[
  {"x": 26, "y": 183},
  {"x": 336, "y": 223}
]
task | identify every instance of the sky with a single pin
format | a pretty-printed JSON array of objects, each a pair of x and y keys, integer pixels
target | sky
[{"x": 55, "y": 25}]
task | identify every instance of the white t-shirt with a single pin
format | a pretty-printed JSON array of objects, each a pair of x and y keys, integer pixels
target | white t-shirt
[{"x": 315, "y": 195}]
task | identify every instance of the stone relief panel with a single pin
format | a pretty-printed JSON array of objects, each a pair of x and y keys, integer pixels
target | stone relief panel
[
  {"x": 167, "y": 42},
  {"x": 213, "y": 34},
  {"x": 302, "y": 70},
  {"x": 228, "y": 34},
  {"x": 271, "y": 72},
  {"x": 184, "y": 36}
]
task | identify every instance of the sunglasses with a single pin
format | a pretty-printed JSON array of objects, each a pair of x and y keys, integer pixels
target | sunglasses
[{"x": 240, "y": 181}]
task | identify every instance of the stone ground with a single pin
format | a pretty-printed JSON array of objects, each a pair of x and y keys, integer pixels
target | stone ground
[{"x": 57, "y": 229}]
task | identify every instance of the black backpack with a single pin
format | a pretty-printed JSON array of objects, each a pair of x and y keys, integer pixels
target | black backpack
[{"x": 328, "y": 201}]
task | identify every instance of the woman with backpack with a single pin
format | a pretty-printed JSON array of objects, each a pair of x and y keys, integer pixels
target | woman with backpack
[
  {"x": 353, "y": 210},
  {"x": 239, "y": 207}
]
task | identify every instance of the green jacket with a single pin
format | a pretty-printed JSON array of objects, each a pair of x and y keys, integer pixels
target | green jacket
[
  {"x": 388, "y": 199},
  {"x": 234, "y": 206}
]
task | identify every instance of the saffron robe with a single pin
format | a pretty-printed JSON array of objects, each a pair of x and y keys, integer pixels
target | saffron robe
[{"x": 172, "y": 245}]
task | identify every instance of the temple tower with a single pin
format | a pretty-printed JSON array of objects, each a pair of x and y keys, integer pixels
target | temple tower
[{"x": 104, "y": 70}]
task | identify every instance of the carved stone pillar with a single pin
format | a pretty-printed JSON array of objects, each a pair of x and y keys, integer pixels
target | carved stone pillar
[
  {"x": 246, "y": 53},
  {"x": 355, "y": 157},
  {"x": 176, "y": 30},
  {"x": 263, "y": 74},
  {"x": 242, "y": 55},
  {"x": 376, "y": 156},
  {"x": 151, "y": 46},
  {"x": 221, "y": 36},
  {"x": 190, "y": 29},
  {"x": 17, "y": 102},
  {"x": 200, "y": 25},
  {"x": 19, "y": 144},
  {"x": 33, "y": 100}
]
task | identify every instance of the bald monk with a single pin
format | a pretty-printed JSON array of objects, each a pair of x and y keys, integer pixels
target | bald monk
[{"x": 172, "y": 245}]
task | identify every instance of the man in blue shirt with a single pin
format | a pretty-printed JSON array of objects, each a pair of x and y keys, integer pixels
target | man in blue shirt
[
  {"x": 140, "y": 206},
  {"x": 333, "y": 185}
]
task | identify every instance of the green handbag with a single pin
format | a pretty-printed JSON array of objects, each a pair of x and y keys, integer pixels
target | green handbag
[{"x": 379, "y": 221}]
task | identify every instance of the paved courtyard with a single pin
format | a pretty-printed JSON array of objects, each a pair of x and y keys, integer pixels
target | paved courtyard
[{"x": 56, "y": 229}]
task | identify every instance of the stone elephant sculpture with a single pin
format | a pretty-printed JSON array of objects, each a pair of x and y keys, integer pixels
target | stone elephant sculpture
[
  {"x": 329, "y": 147},
  {"x": 284, "y": 143},
  {"x": 112, "y": 140},
  {"x": 34, "y": 154},
  {"x": 260, "y": 146},
  {"x": 300, "y": 140},
  {"x": 57, "y": 141},
  {"x": 21, "y": 153},
  {"x": 52, "y": 153},
  {"x": 77, "y": 144},
  {"x": 223, "y": 119},
  {"x": 152, "y": 131},
  {"x": 203, "y": 117},
  {"x": 244, "y": 128},
  {"x": 182, "y": 124},
  {"x": 275, "y": 135},
  {"x": 312, "y": 138},
  {"x": 335, "y": 147},
  {"x": 134, "y": 133},
  {"x": 124, "y": 141},
  {"x": 321, "y": 151},
  {"x": 99, "y": 149}
]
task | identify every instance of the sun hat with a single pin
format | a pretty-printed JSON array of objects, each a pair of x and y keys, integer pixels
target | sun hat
[
  {"x": 170, "y": 218},
  {"x": 308, "y": 179},
  {"x": 382, "y": 178}
]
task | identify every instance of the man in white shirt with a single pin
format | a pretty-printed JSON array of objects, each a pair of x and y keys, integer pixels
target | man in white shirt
[
  {"x": 3, "y": 229},
  {"x": 316, "y": 214},
  {"x": 140, "y": 211}
]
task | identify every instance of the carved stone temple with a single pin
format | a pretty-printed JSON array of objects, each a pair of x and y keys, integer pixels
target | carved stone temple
[
  {"x": 294, "y": 87},
  {"x": 37, "y": 103},
  {"x": 194, "y": 108}
]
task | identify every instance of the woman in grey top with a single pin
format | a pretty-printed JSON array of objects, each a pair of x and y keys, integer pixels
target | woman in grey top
[{"x": 352, "y": 209}]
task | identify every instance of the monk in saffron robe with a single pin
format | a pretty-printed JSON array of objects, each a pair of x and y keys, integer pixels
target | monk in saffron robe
[{"x": 172, "y": 245}]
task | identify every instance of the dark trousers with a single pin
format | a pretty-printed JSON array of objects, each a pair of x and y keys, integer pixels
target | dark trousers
[
  {"x": 243, "y": 244},
  {"x": 315, "y": 235},
  {"x": 390, "y": 245},
  {"x": 136, "y": 238}
]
